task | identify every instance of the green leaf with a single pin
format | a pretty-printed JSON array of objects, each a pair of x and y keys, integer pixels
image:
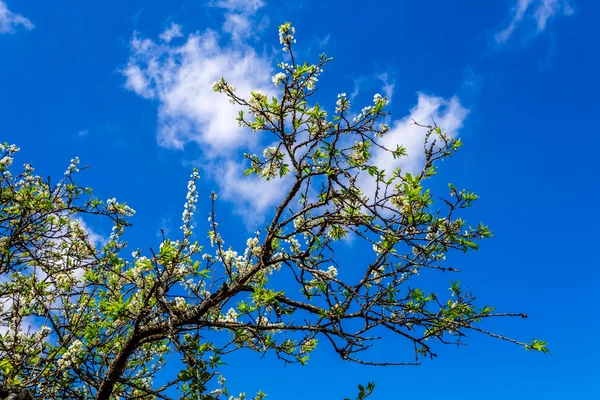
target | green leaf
[
  {"x": 205, "y": 273},
  {"x": 538, "y": 345}
]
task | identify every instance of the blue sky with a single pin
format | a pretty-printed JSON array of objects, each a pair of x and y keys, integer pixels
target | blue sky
[{"x": 126, "y": 87}]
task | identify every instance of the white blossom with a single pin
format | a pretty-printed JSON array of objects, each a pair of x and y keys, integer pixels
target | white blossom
[
  {"x": 278, "y": 78},
  {"x": 332, "y": 271}
]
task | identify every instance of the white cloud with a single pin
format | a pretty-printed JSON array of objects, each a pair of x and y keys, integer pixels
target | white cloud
[
  {"x": 252, "y": 195},
  {"x": 543, "y": 10},
  {"x": 240, "y": 5},
  {"x": 94, "y": 237},
  {"x": 518, "y": 13},
  {"x": 449, "y": 114},
  {"x": 174, "y": 31},
  {"x": 180, "y": 77},
  {"x": 9, "y": 21},
  {"x": 239, "y": 17}
]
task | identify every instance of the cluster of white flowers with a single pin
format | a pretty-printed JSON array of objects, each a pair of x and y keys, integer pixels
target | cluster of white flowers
[
  {"x": 182, "y": 270},
  {"x": 190, "y": 285},
  {"x": 63, "y": 280},
  {"x": 332, "y": 271},
  {"x": 342, "y": 103},
  {"x": 376, "y": 274},
  {"x": 28, "y": 177},
  {"x": 220, "y": 86},
  {"x": 380, "y": 99},
  {"x": 431, "y": 233},
  {"x": 73, "y": 166},
  {"x": 299, "y": 221},
  {"x": 312, "y": 77},
  {"x": 383, "y": 128},
  {"x": 6, "y": 162},
  {"x": 236, "y": 262},
  {"x": 402, "y": 202},
  {"x": 286, "y": 67},
  {"x": 270, "y": 152},
  {"x": 190, "y": 204},
  {"x": 113, "y": 206},
  {"x": 363, "y": 113},
  {"x": 294, "y": 244},
  {"x": 115, "y": 234},
  {"x": 358, "y": 153},
  {"x": 309, "y": 345},
  {"x": 43, "y": 332},
  {"x": 286, "y": 35},
  {"x": 212, "y": 237},
  {"x": 272, "y": 162},
  {"x": 140, "y": 266},
  {"x": 310, "y": 82},
  {"x": 377, "y": 249},
  {"x": 257, "y": 97},
  {"x": 254, "y": 246},
  {"x": 197, "y": 288},
  {"x": 377, "y": 99},
  {"x": 180, "y": 304},
  {"x": 71, "y": 356},
  {"x": 278, "y": 78},
  {"x": 230, "y": 316},
  {"x": 111, "y": 203}
]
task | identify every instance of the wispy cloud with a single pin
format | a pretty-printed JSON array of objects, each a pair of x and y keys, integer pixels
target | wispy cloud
[
  {"x": 540, "y": 11},
  {"x": 9, "y": 21},
  {"x": 472, "y": 84},
  {"x": 174, "y": 31},
  {"x": 383, "y": 82},
  {"x": 323, "y": 42},
  {"x": 239, "y": 18}
]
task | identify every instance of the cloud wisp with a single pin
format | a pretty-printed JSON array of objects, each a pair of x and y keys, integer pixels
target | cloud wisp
[
  {"x": 239, "y": 17},
  {"x": 540, "y": 11},
  {"x": 9, "y": 21},
  {"x": 172, "y": 32}
]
